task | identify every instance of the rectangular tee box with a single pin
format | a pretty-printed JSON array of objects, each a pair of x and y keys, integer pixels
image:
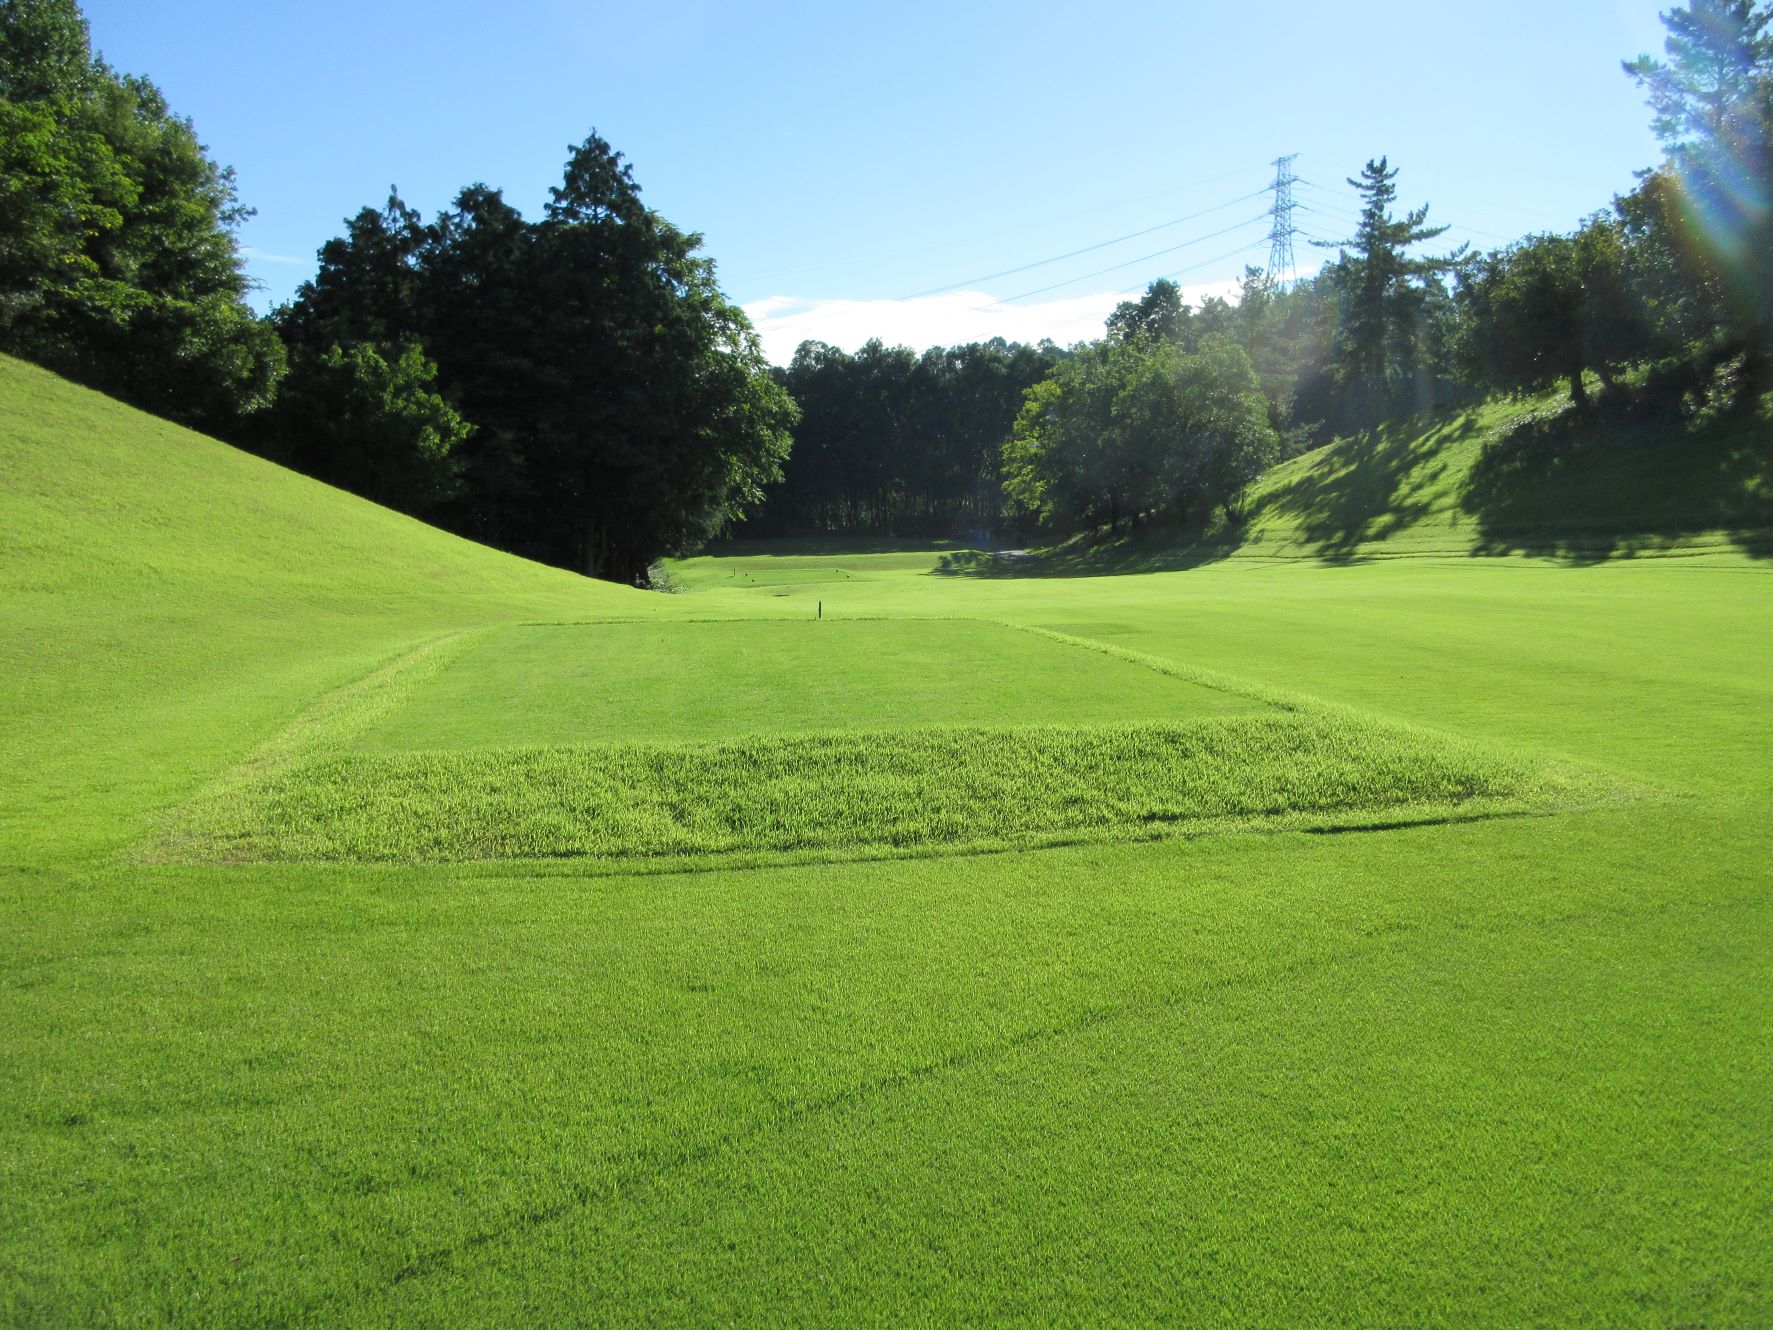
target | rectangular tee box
[{"x": 675, "y": 682}]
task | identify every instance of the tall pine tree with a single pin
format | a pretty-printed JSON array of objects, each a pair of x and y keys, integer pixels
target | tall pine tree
[{"x": 1380, "y": 347}]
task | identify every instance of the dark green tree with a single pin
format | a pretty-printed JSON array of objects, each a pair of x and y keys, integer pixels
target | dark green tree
[
  {"x": 1059, "y": 465},
  {"x": 367, "y": 288},
  {"x": 369, "y": 419},
  {"x": 1158, "y": 314},
  {"x": 622, "y": 407},
  {"x": 657, "y": 421},
  {"x": 1386, "y": 347},
  {"x": 1550, "y": 309},
  {"x": 1709, "y": 97},
  {"x": 482, "y": 303},
  {"x": 1126, "y": 428},
  {"x": 891, "y": 441},
  {"x": 1224, "y": 426},
  {"x": 45, "y": 51},
  {"x": 118, "y": 263},
  {"x": 61, "y": 189}
]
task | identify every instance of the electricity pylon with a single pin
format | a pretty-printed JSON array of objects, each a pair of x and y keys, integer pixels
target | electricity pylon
[{"x": 1282, "y": 270}]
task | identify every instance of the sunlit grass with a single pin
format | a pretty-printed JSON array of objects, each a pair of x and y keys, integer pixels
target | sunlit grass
[
  {"x": 606, "y": 682},
  {"x": 1489, "y": 1073},
  {"x": 347, "y": 782},
  {"x": 852, "y": 792}
]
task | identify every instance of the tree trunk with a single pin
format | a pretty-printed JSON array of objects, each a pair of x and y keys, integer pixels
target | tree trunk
[
  {"x": 1757, "y": 366},
  {"x": 595, "y": 553},
  {"x": 1578, "y": 390}
]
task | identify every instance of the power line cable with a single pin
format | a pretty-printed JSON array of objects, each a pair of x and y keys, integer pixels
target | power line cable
[
  {"x": 798, "y": 319},
  {"x": 1144, "y": 258},
  {"x": 1167, "y": 192},
  {"x": 1354, "y": 216},
  {"x": 1326, "y": 210},
  {"x": 1087, "y": 249},
  {"x": 1250, "y": 248},
  {"x": 809, "y": 315}
]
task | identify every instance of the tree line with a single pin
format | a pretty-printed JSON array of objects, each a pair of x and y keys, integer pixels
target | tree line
[
  {"x": 891, "y": 441},
  {"x": 117, "y": 260},
  {"x": 1661, "y": 300},
  {"x": 576, "y": 387}
]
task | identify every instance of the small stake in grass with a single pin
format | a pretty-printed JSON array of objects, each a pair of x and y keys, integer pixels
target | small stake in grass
[{"x": 821, "y": 609}]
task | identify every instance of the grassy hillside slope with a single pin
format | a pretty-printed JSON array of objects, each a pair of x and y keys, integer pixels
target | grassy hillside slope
[
  {"x": 1523, "y": 477},
  {"x": 1507, "y": 477},
  {"x": 169, "y": 598},
  {"x": 1509, "y": 1072}
]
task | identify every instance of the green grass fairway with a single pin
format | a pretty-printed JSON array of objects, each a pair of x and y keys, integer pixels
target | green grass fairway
[
  {"x": 577, "y": 683},
  {"x": 1511, "y": 1071}
]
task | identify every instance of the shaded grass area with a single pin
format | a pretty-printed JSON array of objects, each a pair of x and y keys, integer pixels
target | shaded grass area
[
  {"x": 1371, "y": 488},
  {"x": 822, "y": 547},
  {"x": 1563, "y": 484},
  {"x": 1151, "y": 548},
  {"x": 603, "y": 682},
  {"x": 767, "y": 565}
]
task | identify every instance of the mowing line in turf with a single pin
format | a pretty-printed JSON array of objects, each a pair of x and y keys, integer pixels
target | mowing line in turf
[{"x": 326, "y": 791}]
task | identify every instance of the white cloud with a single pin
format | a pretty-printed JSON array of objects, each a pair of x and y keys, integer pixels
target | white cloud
[
  {"x": 953, "y": 319},
  {"x": 256, "y": 255}
]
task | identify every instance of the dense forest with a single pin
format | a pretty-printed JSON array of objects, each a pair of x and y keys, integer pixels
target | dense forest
[
  {"x": 577, "y": 388},
  {"x": 893, "y": 441}
]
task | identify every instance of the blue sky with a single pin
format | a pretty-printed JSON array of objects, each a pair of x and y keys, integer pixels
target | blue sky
[{"x": 839, "y": 158}]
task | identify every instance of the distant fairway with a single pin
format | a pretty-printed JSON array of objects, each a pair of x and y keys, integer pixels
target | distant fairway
[
  {"x": 1272, "y": 1062},
  {"x": 574, "y": 683}
]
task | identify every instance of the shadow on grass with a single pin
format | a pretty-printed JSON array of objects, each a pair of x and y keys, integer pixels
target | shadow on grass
[
  {"x": 1368, "y": 488},
  {"x": 824, "y": 546},
  {"x": 1359, "y": 491},
  {"x": 1586, "y": 487},
  {"x": 1149, "y": 549}
]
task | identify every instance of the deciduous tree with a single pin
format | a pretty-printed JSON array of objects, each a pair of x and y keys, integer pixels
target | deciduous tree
[{"x": 118, "y": 263}]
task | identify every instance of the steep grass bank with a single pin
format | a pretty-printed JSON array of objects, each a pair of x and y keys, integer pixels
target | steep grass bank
[
  {"x": 1533, "y": 477},
  {"x": 170, "y": 600}
]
